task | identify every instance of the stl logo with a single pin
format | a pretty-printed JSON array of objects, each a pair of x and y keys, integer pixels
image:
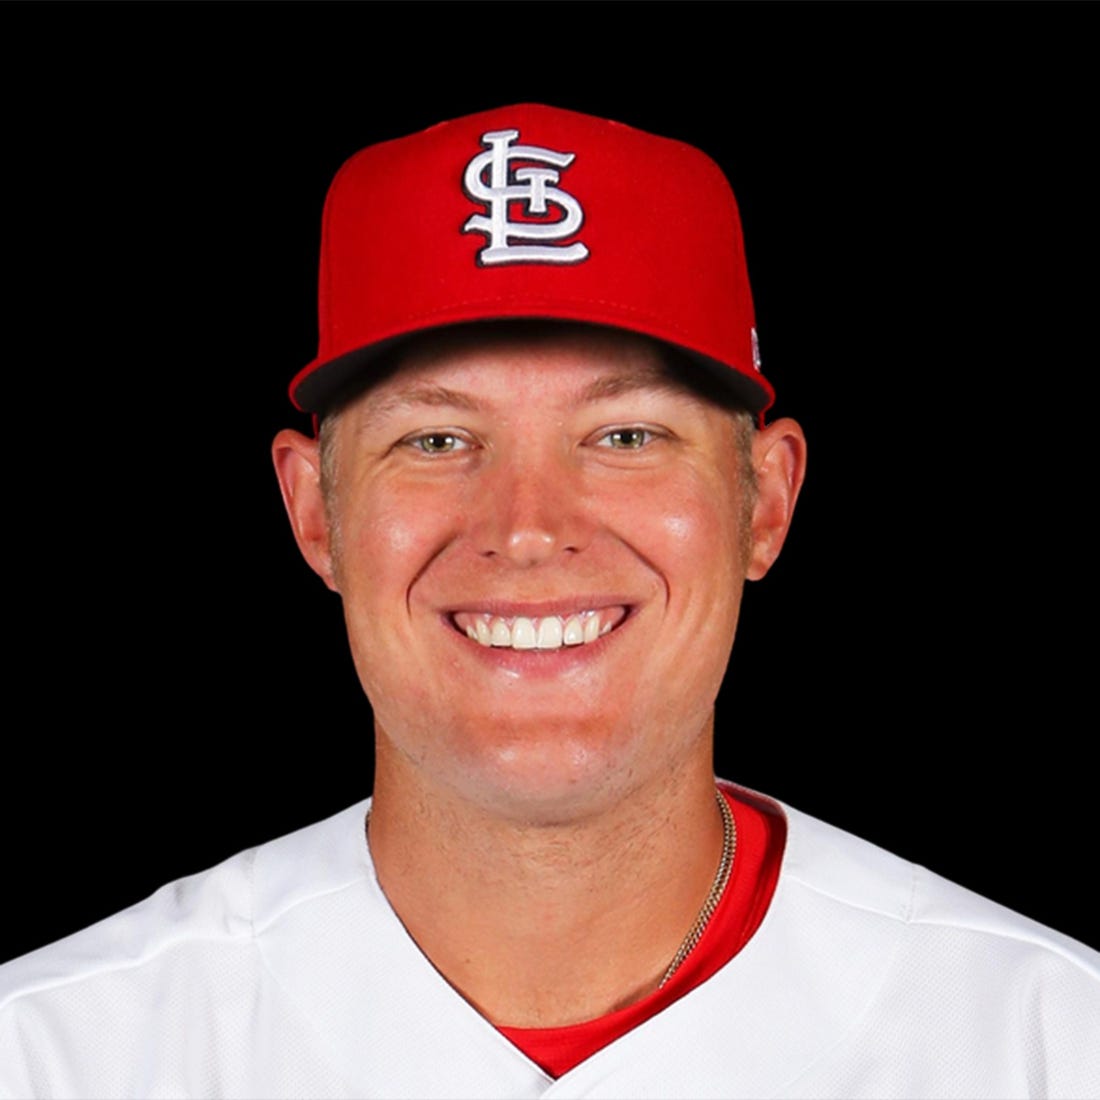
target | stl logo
[{"x": 533, "y": 185}]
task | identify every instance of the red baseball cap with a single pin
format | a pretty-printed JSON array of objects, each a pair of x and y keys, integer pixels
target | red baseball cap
[{"x": 532, "y": 212}]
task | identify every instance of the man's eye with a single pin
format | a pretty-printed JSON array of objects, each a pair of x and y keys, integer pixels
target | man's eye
[
  {"x": 438, "y": 443},
  {"x": 627, "y": 439}
]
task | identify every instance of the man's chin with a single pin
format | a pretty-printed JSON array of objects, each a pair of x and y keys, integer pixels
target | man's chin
[{"x": 542, "y": 776}]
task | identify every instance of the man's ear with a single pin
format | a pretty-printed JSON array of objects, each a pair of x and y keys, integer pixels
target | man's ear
[
  {"x": 298, "y": 467},
  {"x": 779, "y": 459}
]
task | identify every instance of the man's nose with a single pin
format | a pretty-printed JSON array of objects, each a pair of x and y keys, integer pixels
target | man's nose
[{"x": 532, "y": 511}]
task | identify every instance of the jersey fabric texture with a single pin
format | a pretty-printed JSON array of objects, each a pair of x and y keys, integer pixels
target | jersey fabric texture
[{"x": 284, "y": 972}]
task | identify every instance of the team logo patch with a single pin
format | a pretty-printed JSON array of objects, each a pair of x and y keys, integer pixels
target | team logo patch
[{"x": 520, "y": 181}]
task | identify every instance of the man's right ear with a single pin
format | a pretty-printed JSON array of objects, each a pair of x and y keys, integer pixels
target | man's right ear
[{"x": 298, "y": 467}]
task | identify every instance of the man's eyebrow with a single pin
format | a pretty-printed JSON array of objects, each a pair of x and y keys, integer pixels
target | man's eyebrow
[
  {"x": 612, "y": 385},
  {"x": 422, "y": 395}
]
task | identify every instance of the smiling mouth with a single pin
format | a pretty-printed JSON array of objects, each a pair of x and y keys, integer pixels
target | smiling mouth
[{"x": 540, "y": 632}]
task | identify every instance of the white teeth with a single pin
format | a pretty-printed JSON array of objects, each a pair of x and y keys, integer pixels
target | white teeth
[
  {"x": 523, "y": 634},
  {"x": 547, "y": 632},
  {"x": 550, "y": 633},
  {"x": 574, "y": 631}
]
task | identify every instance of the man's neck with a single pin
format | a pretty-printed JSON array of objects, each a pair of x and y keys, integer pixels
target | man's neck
[{"x": 550, "y": 924}]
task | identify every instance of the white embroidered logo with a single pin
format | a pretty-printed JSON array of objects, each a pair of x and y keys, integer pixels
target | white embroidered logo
[{"x": 532, "y": 185}]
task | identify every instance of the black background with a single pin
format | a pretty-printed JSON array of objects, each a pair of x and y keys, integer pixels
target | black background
[{"x": 917, "y": 669}]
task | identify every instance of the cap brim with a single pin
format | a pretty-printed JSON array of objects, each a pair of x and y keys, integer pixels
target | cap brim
[{"x": 321, "y": 384}]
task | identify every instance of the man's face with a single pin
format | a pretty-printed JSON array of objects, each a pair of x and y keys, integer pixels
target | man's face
[{"x": 540, "y": 544}]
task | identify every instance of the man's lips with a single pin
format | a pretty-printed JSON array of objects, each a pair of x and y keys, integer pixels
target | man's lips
[{"x": 573, "y": 628}]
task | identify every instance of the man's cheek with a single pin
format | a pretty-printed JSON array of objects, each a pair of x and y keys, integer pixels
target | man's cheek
[
  {"x": 679, "y": 527},
  {"x": 690, "y": 528},
  {"x": 401, "y": 535}
]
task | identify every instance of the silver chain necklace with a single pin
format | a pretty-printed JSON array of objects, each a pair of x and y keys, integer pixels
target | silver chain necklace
[{"x": 717, "y": 888}]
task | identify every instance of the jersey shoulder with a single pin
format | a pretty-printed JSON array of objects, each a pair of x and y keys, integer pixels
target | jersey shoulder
[
  {"x": 956, "y": 994},
  {"x": 228, "y": 903},
  {"x": 856, "y": 873},
  {"x": 77, "y": 1016}
]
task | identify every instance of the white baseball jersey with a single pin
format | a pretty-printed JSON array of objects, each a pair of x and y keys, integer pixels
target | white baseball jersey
[{"x": 284, "y": 972}]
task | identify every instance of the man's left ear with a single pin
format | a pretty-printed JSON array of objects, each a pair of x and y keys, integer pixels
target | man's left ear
[{"x": 779, "y": 459}]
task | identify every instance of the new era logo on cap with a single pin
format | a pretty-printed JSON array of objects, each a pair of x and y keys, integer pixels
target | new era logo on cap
[{"x": 532, "y": 212}]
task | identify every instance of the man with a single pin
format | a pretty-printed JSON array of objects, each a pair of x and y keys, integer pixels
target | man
[{"x": 541, "y": 479}]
